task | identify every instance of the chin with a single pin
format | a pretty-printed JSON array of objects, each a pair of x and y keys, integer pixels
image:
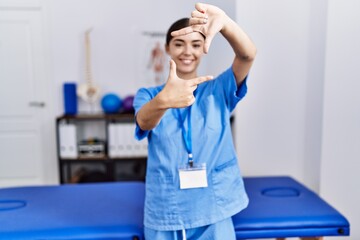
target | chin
[
  {"x": 185, "y": 72},
  {"x": 186, "y": 69}
]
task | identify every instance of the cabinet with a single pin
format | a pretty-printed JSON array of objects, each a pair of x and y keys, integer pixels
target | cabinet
[{"x": 93, "y": 148}]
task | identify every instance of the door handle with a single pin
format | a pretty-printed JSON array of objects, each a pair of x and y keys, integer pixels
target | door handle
[{"x": 37, "y": 104}]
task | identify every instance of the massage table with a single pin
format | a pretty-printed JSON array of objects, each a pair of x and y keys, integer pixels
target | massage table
[
  {"x": 74, "y": 211},
  {"x": 279, "y": 207}
]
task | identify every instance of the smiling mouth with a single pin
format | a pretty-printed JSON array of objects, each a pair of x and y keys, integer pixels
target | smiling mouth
[{"x": 186, "y": 61}]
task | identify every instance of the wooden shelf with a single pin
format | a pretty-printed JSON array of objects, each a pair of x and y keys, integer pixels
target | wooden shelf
[
  {"x": 117, "y": 168},
  {"x": 102, "y": 159},
  {"x": 99, "y": 116}
]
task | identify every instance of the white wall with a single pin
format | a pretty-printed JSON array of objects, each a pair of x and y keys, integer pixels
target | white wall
[
  {"x": 279, "y": 123},
  {"x": 340, "y": 162},
  {"x": 302, "y": 116},
  {"x": 116, "y": 40}
]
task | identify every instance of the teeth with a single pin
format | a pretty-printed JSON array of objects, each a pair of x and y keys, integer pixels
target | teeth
[{"x": 186, "y": 61}]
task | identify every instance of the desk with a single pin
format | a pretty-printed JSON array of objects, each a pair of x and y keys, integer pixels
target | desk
[{"x": 279, "y": 207}]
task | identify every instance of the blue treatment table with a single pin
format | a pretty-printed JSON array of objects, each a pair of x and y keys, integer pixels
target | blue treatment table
[
  {"x": 81, "y": 211},
  {"x": 282, "y": 207},
  {"x": 279, "y": 207}
]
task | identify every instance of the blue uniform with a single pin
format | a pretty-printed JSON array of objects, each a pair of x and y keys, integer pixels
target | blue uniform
[
  {"x": 167, "y": 207},
  {"x": 218, "y": 231}
]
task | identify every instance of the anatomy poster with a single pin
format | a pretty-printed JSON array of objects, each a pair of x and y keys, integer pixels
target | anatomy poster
[{"x": 153, "y": 66}]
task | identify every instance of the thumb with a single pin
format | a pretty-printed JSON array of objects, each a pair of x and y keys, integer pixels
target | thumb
[
  {"x": 172, "y": 72},
  {"x": 200, "y": 7},
  {"x": 207, "y": 43}
]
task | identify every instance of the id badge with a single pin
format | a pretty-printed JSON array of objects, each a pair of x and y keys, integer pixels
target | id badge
[{"x": 193, "y": 177}]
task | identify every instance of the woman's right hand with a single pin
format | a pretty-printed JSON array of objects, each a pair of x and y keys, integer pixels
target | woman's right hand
[{"x": 177, "y": 92}]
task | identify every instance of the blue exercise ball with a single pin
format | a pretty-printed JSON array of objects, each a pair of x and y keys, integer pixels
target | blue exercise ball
[{"x": 111, "y": 103}]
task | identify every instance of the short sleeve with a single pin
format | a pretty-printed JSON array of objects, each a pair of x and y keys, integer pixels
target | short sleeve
[
  {"x": 232, "y": 93},
  {"x": 142, "y": 96}
]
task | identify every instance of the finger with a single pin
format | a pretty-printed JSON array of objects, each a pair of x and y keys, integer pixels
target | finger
[
  {"x": 200, "y": 7},
  {"x": 199, "y": 80},
  {"x": 192, "y": 100},
  {"x": 207, "y": 43},
  {"x": 189, "y": 100},
  {"x": 182, "y": 31},
  {"x": 197, "y": 21},
  {"x": 193, "y": 87},
  {"x": 197, "y": 14},
  {"x": 172, "y": 72}
]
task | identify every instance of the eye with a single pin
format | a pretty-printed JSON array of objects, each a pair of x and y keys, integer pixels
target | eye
[
  {"x": 196, "y": 45},
  {"x": 178, "y": 44}
]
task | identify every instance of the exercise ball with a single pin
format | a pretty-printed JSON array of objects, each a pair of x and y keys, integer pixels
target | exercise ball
[
  {"x": 111, "y": 103},
  {"x": 128, "y": 104}
]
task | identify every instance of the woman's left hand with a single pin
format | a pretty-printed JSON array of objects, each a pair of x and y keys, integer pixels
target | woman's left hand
[{"x": 206, "y": 19}]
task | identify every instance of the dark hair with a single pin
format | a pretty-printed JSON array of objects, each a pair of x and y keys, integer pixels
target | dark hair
[{"x": 179, "y": 24}]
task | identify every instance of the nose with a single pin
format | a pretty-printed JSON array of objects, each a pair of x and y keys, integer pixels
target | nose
[{"x": 187, "y": 50}]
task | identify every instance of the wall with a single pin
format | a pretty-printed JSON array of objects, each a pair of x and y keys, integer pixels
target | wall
[
  {"x": 340, "y": 163},
  {"x": 279, "y": 123},
  {"x": 301, "y": 116},
  {"x": 116, "y": 40}
]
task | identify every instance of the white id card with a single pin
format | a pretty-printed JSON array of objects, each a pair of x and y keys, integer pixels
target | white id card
[{"x": 193, "y": 177}]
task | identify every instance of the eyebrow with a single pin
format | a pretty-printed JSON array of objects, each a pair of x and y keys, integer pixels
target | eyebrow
[{"x": 180, "y": 40}]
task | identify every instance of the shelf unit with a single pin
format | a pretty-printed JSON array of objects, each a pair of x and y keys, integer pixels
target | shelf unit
[{"x": 101, "y": 166}]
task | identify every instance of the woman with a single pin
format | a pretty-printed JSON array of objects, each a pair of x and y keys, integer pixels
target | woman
[{"x": 193, "y": 182}]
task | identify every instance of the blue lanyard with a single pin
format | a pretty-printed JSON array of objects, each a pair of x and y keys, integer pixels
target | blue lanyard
[{"x": 187, "y": 135}]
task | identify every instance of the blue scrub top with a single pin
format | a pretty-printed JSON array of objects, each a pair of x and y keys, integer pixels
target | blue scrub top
[{"x": 167, "y": 207}]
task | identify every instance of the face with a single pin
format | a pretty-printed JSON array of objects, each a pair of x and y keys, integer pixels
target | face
[{"x": 186, "y": 51}]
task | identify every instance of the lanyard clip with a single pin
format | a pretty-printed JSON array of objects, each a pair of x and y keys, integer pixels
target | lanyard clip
[{"x": 191, "y": 162}]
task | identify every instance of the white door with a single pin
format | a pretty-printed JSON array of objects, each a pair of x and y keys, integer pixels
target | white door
[{"x": 26, "y": 141}]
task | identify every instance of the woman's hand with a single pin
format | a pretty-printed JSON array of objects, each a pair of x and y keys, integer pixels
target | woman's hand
[
  {"x": 206, "y": 19},
  {"x": 177, "y": 92}
]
